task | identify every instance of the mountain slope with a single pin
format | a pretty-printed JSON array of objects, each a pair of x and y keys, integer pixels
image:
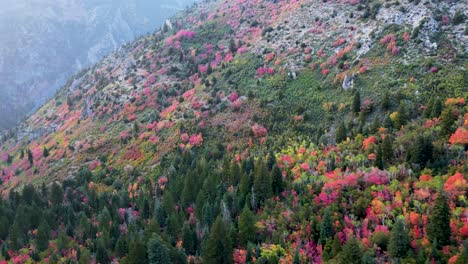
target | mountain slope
[
  {"x": 299, "y": 111},
  {"x": 50, "y": 40}
]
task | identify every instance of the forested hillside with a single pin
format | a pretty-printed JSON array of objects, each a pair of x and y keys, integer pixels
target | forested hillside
[{"x": 254, "y": 131}]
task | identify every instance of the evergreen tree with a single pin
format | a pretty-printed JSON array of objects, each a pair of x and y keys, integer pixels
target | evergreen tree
[
  {"x": 326, "y": 227},
  {"x": 386, "y": 101},
  {"x": 296, "y": 259},
  {"x": 421, "y": 151},
  {"x": 357, "y": 102},
  {"x": 277, "y": 179},
  {"x": 402, "y": 117},
  {"x": 379, "y": 158},
  {"x": 446, "y": 122},
  {"x": 262, "y": 182},
  {"x": 340, "y": 133},
  {"x": 234, "y": 174},
  {"x": 387, "y": 150},
  {"x": 399, "y": 241},
  {"x": 438, "y": 229},
  {"x": 45, "y": 152},
  {"x": 30, "y": 157},
  {"x": 137, "y": 253},
  {"x": 436, "y": 109},
  {"x": 247, "y": 229},
  {"x": 16, "y": 240},
  {"x": 158, "y": 252},
  {"x": 351, "y": 253},
  {"x": 56, "y": 194},
  {"x": 189, "y": 191},
  {"x": 429, "y": 107},
  {"x": 102, "y": 256},
  {"x": 218, "y": 247},
  {"x": 43, "y": 236},
  {"x": 244, "y": 185},
  {"x": 189, "y": 240},
  {"x": 120, "y": 247},
  {"x": 375, "y": 125}
]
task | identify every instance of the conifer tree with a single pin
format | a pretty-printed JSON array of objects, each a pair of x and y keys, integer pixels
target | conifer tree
[
  {"x": 189, "y": 240},
  {"x": 326, "y": 227},
  {"x": 43, "y": 236},
  {"x": 277, "y": 179},
  {"x": 379, "y": 158},
  {"x": 402, "y": 117},
  {"x": 436, "y": 108},
  {"x": 399, "y": 241},
  {"x": 158, "y": 252},
  {"x": 56, "y": 194},
  {"x": 340, "y": 133},
  {"x": 446, "y": 122},
  {"x": 438, "y": 229},
  {"x": 45, "y": 152},
  {"x": 357, "y": 102},
  {"x": 387, "y": 149},
  {"x": 102, "y": 257},
  {"x": 421, "y": 151},
  {"x": 247, "y": 230},
  {"x": 351, "y": 253},
  {"x": 296, "y": 259},
  {"x": 262, "y": 182},
  {"x": 386, "y": 101},
  {"x": 137, "y": 253},
  {"x": 218, "y": 247},
  {"x": 271, "y": 160},
  {"x": 30, "y": 157},
  {"x": 234, "y": 174}
]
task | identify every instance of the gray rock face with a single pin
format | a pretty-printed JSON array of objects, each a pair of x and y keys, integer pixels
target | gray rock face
[
  {"x": 43, "y": 42},
  {"x": 348, "y": 82}
]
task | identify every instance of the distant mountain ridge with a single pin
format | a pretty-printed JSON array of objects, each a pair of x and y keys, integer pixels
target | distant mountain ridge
[{"x": 45, "y": 41}]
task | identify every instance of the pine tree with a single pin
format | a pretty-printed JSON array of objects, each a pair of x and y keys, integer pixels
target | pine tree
[
  {"x": 438, "y": 229},
  {"x": 234, "y": 174},
  {"x": 45, "y": 152},
  {"x": 296, "y": 259},
  {"x": 277, "y": 180},
  {"x": 436, "y": 108},
  {"x": 387, "y": 150},
  {"x": 402, "y": 117},
  {"x": 218, "y": 247},
  {"x": 56, "y": 194},
  {"x": 340, "y": 133},
  {"x": 326, "y": 227},
  {"x": 120, "y": 247},
  {"x": 189, "y": 240},
  {"x": 189, "y": 191},
  {"x": 247, "y": 229},
  {"x": 102, "y": 257},
  {"x": 375, "y": 125},
  {"x": 351, "y": 253},
  {"x": 357, "y": 102},
  {"x": 399, "y": 241},
  {"x": 30, "y": 157},
  {"x": 379, "y": 158},
  {"x": 421, "y": 151},
  {"x": 43, "y": 236},
  {"x": 386, "y": 101},
  {"x": 158, "y": 252},
  {"x": 262, "y": 184},
  {"x": 446, "y": 122},
  {"x": 137, "y": 253},
  {"x": 271, "y": 161}
]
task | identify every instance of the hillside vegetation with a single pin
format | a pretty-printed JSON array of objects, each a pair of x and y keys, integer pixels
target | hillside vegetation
[{"x": 254, "y": 131}]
